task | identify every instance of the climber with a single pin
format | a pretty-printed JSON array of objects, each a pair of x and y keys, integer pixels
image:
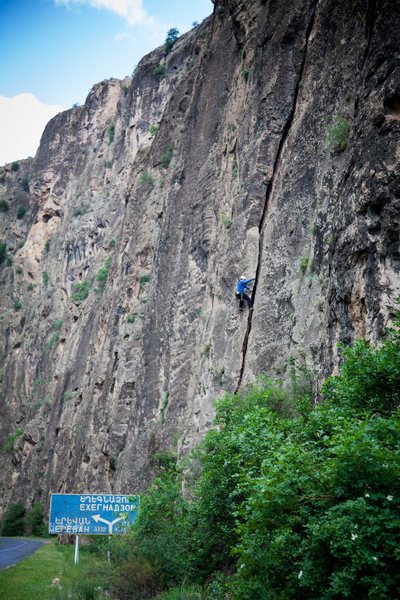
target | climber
[{"x": 242, "y": 286}]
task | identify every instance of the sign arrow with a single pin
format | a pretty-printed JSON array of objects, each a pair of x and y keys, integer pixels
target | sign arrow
[{"x": 110, "y": 524}]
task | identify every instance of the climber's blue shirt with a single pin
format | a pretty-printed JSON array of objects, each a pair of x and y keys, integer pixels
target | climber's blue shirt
[{"x": 242, "y": 286}]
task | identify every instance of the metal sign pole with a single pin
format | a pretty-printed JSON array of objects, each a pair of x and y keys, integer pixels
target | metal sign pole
[
  {"x": 108, "y": 549},
  {"x": 76, "y": 557}
]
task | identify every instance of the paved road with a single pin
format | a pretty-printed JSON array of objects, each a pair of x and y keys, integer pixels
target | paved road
[{"x": 12, "y": 550}]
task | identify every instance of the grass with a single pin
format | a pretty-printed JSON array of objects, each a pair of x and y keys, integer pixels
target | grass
[{"x": 32, "y": 578}]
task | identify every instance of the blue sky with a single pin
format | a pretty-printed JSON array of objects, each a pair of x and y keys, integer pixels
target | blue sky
[{"x": 57, "y": 49}]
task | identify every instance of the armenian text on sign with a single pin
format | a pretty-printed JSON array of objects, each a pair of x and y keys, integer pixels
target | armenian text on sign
[{"x": 92, "y": 514}]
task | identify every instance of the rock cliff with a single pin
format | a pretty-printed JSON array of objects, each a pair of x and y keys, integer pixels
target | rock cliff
[{"x": 266, "y": 142}]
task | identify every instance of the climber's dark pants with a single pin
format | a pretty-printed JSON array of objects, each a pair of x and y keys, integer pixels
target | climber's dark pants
[{"x": 242, "y": 299}]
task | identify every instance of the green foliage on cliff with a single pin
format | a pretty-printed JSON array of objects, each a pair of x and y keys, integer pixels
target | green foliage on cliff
[
  {"x": 287, "y": 500},
  {"x": 111, "y": 133},
  {"x": 4, "y": 206},
  {"x": 146, "y": 180},
  {"x": 337, "y": 134},
  {"x": 81, "y": 292},
  {"x": 166, "y": 156},
  {"x": 159, "y": 70},
  {"x": 3, "y": 251},
  {"x": 8, "y": 445},
  {"x": 102, "y": 274}
]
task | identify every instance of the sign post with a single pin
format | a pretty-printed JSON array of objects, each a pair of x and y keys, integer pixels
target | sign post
[
  {"x": 76, "y": 557},
  {"x": 92, "y": 514}
]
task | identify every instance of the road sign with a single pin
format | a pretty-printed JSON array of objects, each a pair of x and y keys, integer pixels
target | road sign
[{"x": 92, "y": 514}]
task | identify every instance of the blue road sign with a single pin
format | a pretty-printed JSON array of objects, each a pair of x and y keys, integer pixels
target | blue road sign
[{"x": 92, "y": 514}]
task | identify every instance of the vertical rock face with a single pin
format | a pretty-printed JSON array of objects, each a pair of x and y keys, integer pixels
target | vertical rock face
[{"x": 266, "y": 142}]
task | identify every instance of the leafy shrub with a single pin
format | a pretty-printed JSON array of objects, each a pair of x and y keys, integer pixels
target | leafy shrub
[
  {"x": 111, "y": 133},
  {"x": 337, "y": 134},
  {"x": 153, "y": 130},
  {"x": 166, "y": 157},
  {"x": 245, "y": 74},
  {"x": 8, "y": 445},
  {"x": 172, "y": 36},
  {"x": 159, "y": 70},
  {"x": 285, "y": 499},
  {"x": 45, "y": 277},
  {"x": 143, "y": 279},
  {"x": 35, "y": 520},
  {"x": 81, "y": 292},
  {"x": 42, "y": 402},
  {"x": 25, "y": 184},
  {"x": 225, "y": 220},
  {"x": 17, "y": 304},
  {"x": 58, "y": 324},
  {"x": 3, "y": 251},
  {"x": 102, "y": 274},
  {"x": 15, "y": 166},
  {"x": 80, "y": 210},
  {"x": 14, "y": 520},
  {"x": 146, "y": 179},
  {"x": 21, "y": 212},
  {"x": 303, "y": 264},
  {"x": 4, "y": 206},
  {"x": 53, "y": 340}
]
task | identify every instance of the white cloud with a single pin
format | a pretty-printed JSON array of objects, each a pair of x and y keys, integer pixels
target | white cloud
[
  {"x": 22, "y": 121},
  {"x": 131, "y": 10}
]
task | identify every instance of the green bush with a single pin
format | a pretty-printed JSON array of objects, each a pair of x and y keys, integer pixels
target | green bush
[
  {"x": 14, "y": 520},
  {"x": 225, "y": 220},
  {"x": 45, "y": 277},
  {"x": 304, "y": 264},
  {"x": 159, "y": 70},
  {"x": 4, "y": 206},
  {"x": 17, "y": 304},
  {"x": 15, "y": 166},
  {"x": 8, "y": 445},
  {"x": 102, "y": 274},
  {"x": 81, "y": 292},
  {"x": 111, "y": 133},
  {"x": 166, "y": 157},
  {"x": 25, "y": 184},
  {"x": 21, "y": 212},
  {"x": 143, "y": 279},
  {"x": 284, "y": 499},
  {"x": 153, "y": 130},
  {"x": 35, "y": 520},
  {"x": 146, "y": 179},
  {"x": 337, "y": 134},
  {"x": 3, "y": 251},
  {"x": 53, "y": 340}
]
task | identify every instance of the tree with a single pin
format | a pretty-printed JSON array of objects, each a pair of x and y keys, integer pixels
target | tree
[
  {"x": 34, "y": 520},
  {"x": 14, "y": 520},
  {"x": 172, "y": 36}
]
